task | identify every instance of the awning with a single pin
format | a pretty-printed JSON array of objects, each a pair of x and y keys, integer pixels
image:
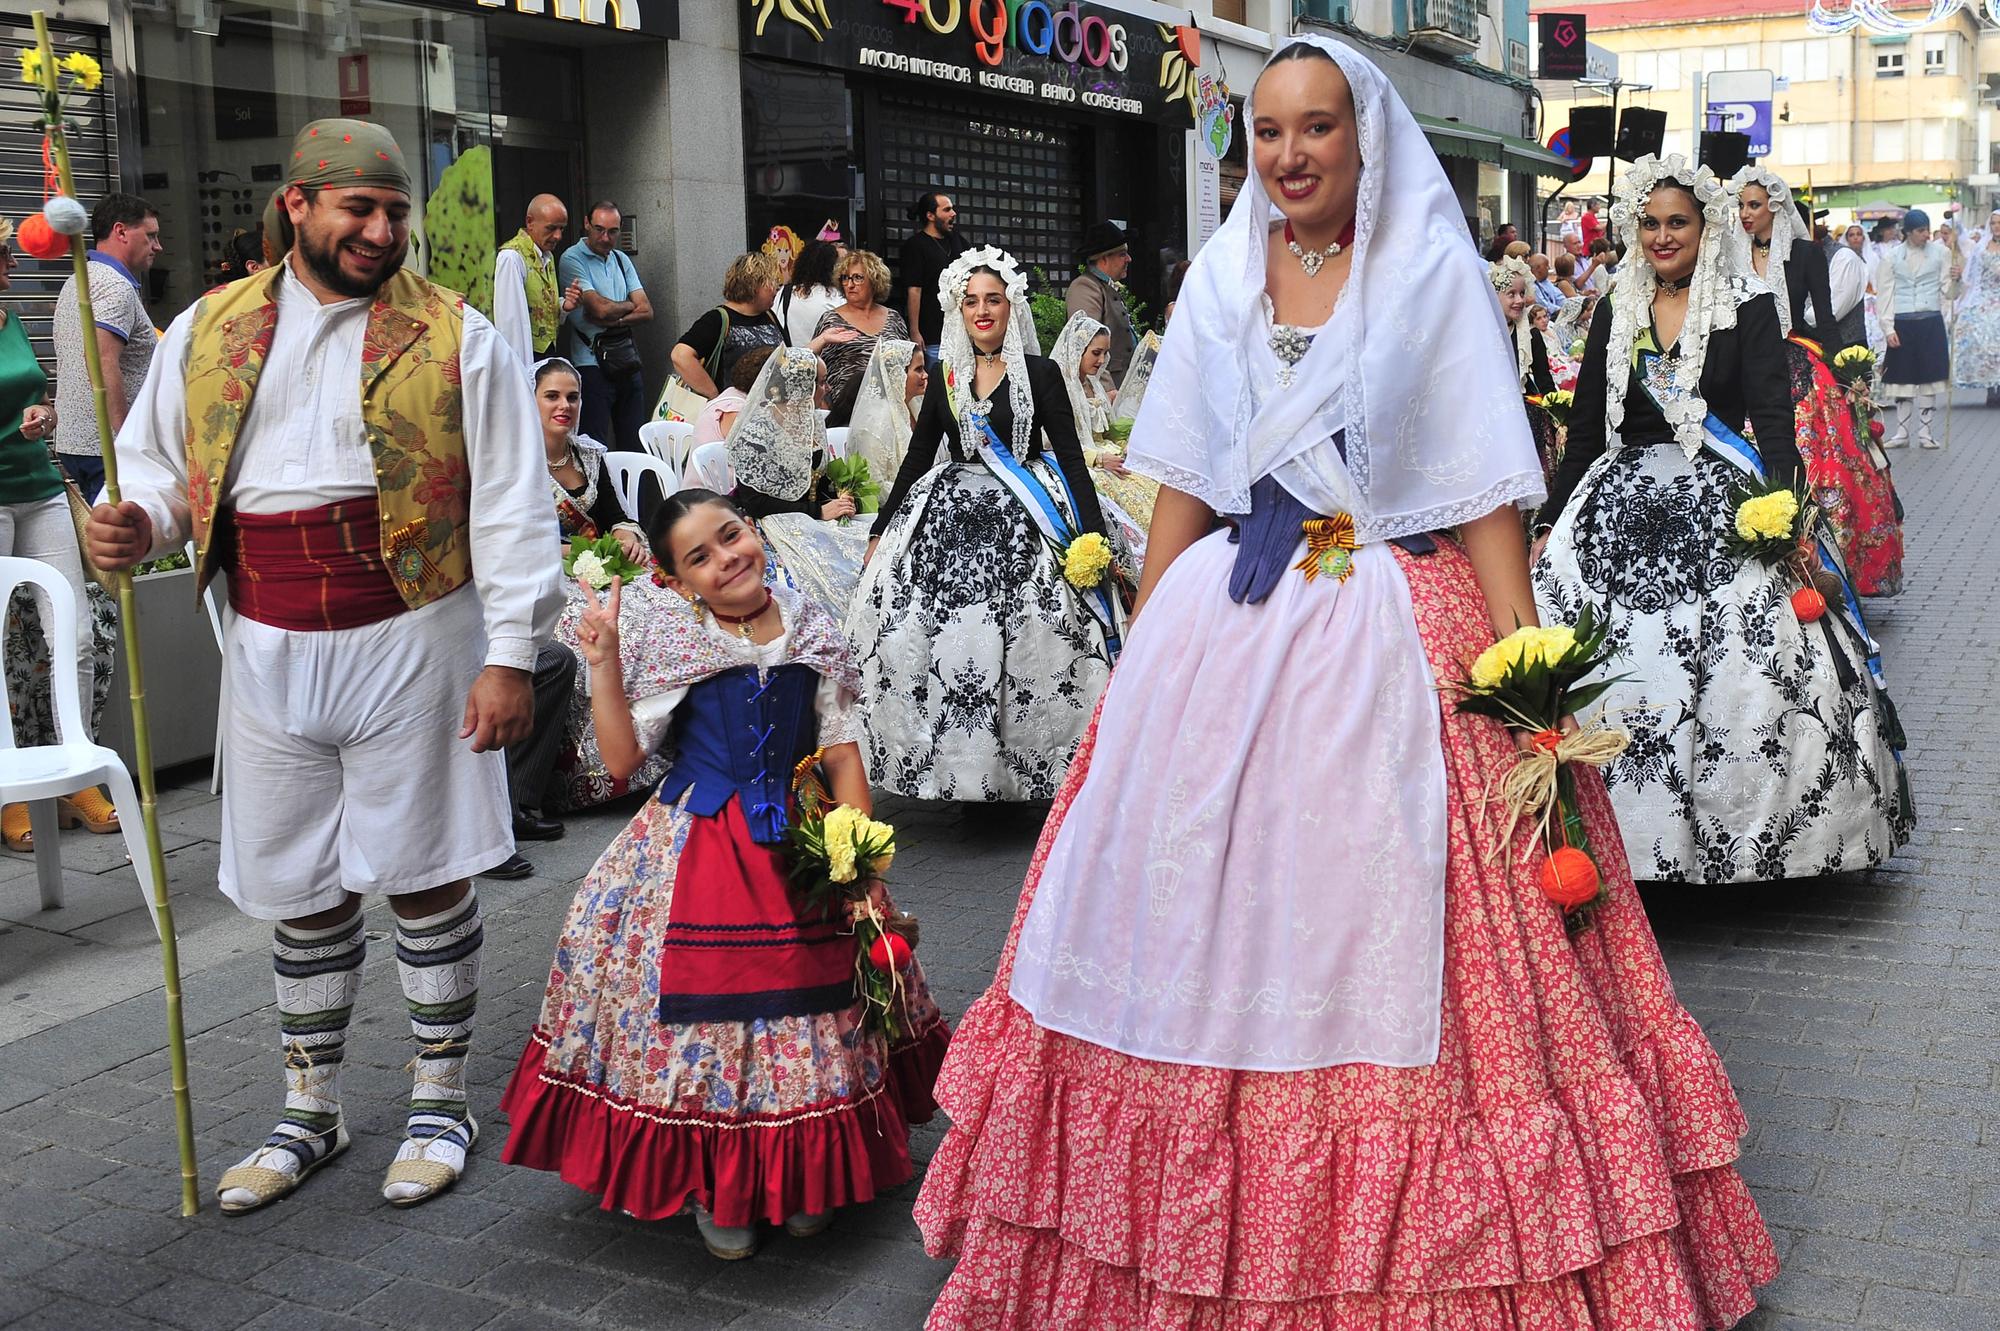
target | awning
[
  {"x": 1527, "y": 155},
  {"x": 1451, "y": 139}
]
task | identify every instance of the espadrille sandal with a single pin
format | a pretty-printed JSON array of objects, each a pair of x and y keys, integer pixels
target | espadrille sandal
[
  {"x": 267, "y": 1185},
  {"x": 433, "y": 1176}
]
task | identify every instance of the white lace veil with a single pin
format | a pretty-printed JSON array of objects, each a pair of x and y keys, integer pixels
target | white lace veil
[
  {"x": 879, "y": 429},
  {"x": 1784, "y": 230},
  {"x": 772, "y": 443},
  {"x": 1713, "y": 293},
  {"x": 1067, "y": 353},
  {"x": 1502, "y": 273},
  {"x": 1407, "y": 366},
  {"x": 1020, "y": 342},
  {"x": 1132, "y": 392}
]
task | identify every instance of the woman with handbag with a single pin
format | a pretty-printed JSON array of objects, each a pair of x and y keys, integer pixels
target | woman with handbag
[
  {"x": 707, "y": 353},
  {"x": 35, "y": 523}
]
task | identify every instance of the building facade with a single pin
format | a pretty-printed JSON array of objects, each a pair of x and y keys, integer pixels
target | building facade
[{"x": 1863, "y": 118}]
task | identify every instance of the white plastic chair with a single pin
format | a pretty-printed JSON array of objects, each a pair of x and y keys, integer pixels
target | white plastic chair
[
  {"x": 669, "y": 441},
  {"x": 626, "y": 470},
  {"x": 708, "y": 469},
  {"x": 836, "y": 440},
  {"x": 37, "y": 775}
]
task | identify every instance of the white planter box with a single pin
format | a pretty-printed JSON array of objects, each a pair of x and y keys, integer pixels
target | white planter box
[{"x": 183, "y": 676}]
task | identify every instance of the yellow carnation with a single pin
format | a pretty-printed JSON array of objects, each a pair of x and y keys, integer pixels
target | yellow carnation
[
  {"x": 1491, "y": 668},
  {"x": 1086, "y": 560},
  {"x": 1551, "y": 645},
  {"x": 86, "y": 71},
  {"x": 1767, "y": 517},
  {"x": 884, "y": 835},
  {"x": 840, "y": 860}
]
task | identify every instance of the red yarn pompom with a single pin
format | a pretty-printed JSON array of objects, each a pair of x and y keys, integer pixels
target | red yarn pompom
[
  {"x": 38, "y": 240},
  {"x": 1808, "y": 604},
  {"x": 1569, "y": 878},
  {"x": 889, "y": 952}
]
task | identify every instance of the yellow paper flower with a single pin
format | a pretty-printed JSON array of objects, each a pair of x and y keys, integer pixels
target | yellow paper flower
[
  {"x": 1767, "y": 517},
  {"x": 31, "y": 64},
  {"x": 1086, "y": 560},
  {"x": 86, "y": 71}
]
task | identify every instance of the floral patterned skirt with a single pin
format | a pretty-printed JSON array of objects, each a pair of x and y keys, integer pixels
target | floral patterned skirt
[
  {"x": 749, "y": 1120},
  {"x": 27, "y": 661},
  {"x": 1761, "y": 747},
  {"x": 1855, "y": 496},
  {"x": 1567, "y": 1163}
]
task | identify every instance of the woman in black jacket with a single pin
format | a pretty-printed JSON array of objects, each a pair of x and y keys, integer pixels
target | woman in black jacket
[
  {"x": 1762, "y": 746},
  {"x": 985, "y": 621}
]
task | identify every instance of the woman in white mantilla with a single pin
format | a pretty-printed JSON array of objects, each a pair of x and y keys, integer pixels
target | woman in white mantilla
[
  {"x": 1762, "y": 747},
  {"x": 885, "y": 410},
  {"x": 982, "y": 661},
  {"x": 1081, "y": 351},
  {"x": 777, "y": 452}
]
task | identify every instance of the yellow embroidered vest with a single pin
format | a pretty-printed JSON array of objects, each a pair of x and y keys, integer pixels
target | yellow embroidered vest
[{"x": 410, "y": 405}]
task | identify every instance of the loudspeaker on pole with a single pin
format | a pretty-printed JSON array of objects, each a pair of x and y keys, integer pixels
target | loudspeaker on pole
[
  {"x": 1590, "y": 131},
  {"x": 1641, "y": 132},
  {"x": 1724, "y": 151}
]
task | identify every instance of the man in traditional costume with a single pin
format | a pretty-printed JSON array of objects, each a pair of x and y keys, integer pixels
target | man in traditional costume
[
  {"x": 1915, "y": 288},
  {"x": 528, "y": 298},
  {"x": 360, "y": 454}
]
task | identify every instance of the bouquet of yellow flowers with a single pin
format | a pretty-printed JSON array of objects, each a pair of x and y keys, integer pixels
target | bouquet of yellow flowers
[
  {"x": 1558, "y": 402},
  {"x": 834, "y": 858},
  {"x": 1853, "y": 365},
  {"x": 1530, "y": 681},
  {"x": 1773, "y": 524}
]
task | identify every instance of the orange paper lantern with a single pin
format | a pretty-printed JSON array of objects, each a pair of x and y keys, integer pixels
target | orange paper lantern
[{"x": 1569, "y": 878}]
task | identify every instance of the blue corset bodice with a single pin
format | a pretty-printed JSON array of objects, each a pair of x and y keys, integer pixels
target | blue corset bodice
[{"x": 736, "y": 736}]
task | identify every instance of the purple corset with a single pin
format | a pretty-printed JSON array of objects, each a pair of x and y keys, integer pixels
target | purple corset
[{"x": 1266, "y": 537}]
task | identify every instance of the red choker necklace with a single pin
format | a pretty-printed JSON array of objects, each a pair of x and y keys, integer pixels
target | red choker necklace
[
  {"x": 1313, "y": 260},
  {"x": 747, "y": 620}
]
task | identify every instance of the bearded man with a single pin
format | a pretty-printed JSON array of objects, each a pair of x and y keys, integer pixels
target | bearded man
[{"x": 358, "y": 453}]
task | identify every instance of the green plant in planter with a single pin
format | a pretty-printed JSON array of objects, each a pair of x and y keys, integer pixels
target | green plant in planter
[
  {"x": 170, "y": 563},
  {"x": 1050, "y": 312}
]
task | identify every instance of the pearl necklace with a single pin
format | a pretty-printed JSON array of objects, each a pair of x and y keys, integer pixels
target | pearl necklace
[{"x": 1313, "y": 260}]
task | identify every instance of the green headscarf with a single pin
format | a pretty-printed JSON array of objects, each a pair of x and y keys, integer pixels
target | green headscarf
[{"x": 344, "y": 153}]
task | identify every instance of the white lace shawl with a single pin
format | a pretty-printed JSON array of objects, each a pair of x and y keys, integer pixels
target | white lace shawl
[
  {"x": 1784, "y": 230},
  {"x": 1419, "y": 381},
  {"x": 879, "y": 430},
  {"x": 955, "y": 352},
  {"x": 1713, "y": 294},
  {"x": 772, "y": 443}
]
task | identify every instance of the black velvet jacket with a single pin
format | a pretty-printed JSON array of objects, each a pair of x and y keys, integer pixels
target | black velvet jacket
[
  {"x": 1053, "y": 421},
  {"x": 1744, "y": 378},
  {"x": 1808, "y": 278}
]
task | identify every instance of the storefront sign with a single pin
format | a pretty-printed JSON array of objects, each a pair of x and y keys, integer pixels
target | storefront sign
[
  {"x": 1053, "y": 52},
  {"x": 1215, "y": 115},
  {"x": 655, "y": 18},
  {"x": 1204, "y": 193}
]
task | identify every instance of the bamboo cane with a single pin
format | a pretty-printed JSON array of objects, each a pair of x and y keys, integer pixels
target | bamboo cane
[{"x": 128, "y": 626}]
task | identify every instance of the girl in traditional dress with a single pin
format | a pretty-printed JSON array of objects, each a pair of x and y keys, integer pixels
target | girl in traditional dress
[
  {"x": 777, "y": 450},
  {"x": 885, "y": 409},
  {"x": 587, "y": 505},
  {"x": 1562, "y": 365},
  {"x": 982, "y": 661},
  {"x": 1762, "y": 746},
  {"x": 1976, "y": 340},
  {"x": 1080, "y": 352},
  {"x": 1855, "y": 497},
  {"x": 701, "y": 1041},
  {"x": 1513, "y": 283},
  {"x": 1282, "y": 1038}
]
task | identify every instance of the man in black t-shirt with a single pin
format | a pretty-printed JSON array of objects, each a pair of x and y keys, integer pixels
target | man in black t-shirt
[{"x": 925, "y": 256}]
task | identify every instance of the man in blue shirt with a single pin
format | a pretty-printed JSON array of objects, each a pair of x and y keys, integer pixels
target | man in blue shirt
[
  {"x": 1547, "y": 294},
  {"x": 613, "y": 302}
]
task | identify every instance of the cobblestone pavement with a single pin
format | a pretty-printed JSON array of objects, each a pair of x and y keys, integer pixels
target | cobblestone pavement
[{"x": 1859, "y": 1019}]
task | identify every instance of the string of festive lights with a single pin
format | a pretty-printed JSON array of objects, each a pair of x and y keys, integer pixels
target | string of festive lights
[{"x": 1877, "y": 16}]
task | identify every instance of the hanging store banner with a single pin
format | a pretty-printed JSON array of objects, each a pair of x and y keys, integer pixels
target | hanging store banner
[{"x": 1054, "y": 53}]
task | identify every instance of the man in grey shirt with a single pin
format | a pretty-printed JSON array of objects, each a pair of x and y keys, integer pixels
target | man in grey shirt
[{"x": 127, "y": 233}]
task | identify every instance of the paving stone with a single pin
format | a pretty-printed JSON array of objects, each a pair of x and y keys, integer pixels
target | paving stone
[
  {"x": 323, "y": 1282},
  {"x": 197, "y": 1304},
  {"x": 407, "y": 1303}
]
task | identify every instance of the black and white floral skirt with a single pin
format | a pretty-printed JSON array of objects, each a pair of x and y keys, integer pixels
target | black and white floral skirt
[
  {"x": 981, "y": 664},
  {"x": 1761, "y": 747}
]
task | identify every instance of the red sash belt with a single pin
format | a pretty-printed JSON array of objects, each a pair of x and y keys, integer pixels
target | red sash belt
[{"x": 312, "y": 569}]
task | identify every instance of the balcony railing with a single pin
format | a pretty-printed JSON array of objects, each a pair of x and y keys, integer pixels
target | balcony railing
[{"x": 1450, "y": 19}]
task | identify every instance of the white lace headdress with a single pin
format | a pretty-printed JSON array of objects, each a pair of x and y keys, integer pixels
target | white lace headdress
[
  {"x": 879, "y": 430},
  {"x": 955, "y": 351},
  {"x": 772, "y": 443},
  {"x": 1067, "y": 353},
  {"x": 1713, "y": 293},
  {"x": 1419, "y": 381},
  {"x": 1502, "y": 272},
  {"x": 1784, "y": 230}
]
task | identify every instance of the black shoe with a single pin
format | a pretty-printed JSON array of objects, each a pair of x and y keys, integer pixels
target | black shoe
[
  {"x": 510, "y": 868},
  {"x": 534, "y": 827}
]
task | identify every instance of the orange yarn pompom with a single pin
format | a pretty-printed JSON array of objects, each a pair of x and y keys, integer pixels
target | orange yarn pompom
[
  {"x": 1808, "y": 604},
  {"x": 38, "y": 240},
  {"x": 1569, "y": 878},
  {"x": 889, "y": 952}
]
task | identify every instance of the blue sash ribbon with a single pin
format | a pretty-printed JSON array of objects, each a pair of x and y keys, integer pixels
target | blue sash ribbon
[{"x": 1034, "y": 496}]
